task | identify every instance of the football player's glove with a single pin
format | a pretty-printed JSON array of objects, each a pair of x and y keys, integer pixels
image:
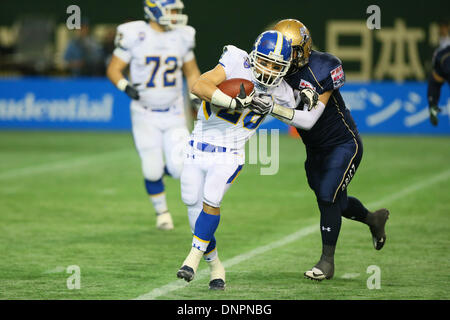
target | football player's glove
[
  {"x": 132, "y": 92},
  {"x": 309, "y": 97},
  {"x": 261, "y": 104},
  {"x": 434, "y": 111},
  {"x": 243, "y": 100}
]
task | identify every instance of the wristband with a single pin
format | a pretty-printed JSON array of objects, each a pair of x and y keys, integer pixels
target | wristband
[
  {"x": 283, "y": 112},
  {"x": 122, "y": 84},
  {"x": 222, "y": 100}
]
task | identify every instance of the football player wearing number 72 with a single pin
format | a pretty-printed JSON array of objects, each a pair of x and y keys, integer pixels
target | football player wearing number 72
[
  {"x": 159, "y": 52},
  {"x": 216, "y": 149}
]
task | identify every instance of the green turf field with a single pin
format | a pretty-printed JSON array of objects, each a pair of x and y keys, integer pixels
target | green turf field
[{"x": 79, "y": 199}]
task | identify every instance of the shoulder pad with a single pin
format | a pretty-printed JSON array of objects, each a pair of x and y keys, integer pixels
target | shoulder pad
[
  {"x": 187, "y": 34},
  {"x": 230, "y": 49},
  {"x": 127, "y": 33}
]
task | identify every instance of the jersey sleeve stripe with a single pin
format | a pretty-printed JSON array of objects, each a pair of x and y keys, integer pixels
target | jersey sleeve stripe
[
  {"x": 206, "y": 109},
  {"x": 235, "y": 174}
]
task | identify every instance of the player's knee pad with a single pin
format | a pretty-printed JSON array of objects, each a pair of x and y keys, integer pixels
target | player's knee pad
[
  {"x": 189, "y": 192},
  {"x": 189, "y": 197},
  {"x": 152, "y": 165},
  {"x": 174, "y": 169},
  {"x": 325, "y": 198},
  {"x": 175, "y": 141},
  {"x": 213, "y": 199},
  {"x": 193, "y": 213}
]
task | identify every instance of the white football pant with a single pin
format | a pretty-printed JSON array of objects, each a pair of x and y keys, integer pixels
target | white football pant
[
  {"x": 159, "y": 136},
  {"x": 206, "y": 177}
]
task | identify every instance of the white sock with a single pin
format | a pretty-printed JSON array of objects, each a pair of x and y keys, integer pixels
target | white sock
[
  {"x": 217, "y": 269},
  {"x": 193, "y": 258},
  {"x": 159, "y": 203}
]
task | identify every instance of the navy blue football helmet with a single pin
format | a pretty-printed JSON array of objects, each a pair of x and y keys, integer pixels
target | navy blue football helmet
[{"x": 270, "y": 58}]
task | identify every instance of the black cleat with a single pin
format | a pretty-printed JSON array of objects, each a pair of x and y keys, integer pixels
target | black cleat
[
  {"x": 377, "y": 228},
  {"x": 186, "y": 273},
  {"x": 217, "y": 284}
]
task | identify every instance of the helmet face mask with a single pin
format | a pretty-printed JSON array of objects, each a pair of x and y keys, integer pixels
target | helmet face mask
[
  {"x": 270, "y": 58},
  {"x": 167, "y": 13}
]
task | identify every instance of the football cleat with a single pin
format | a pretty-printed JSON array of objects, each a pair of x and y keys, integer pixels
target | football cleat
[
  {"x": 217, "y": 284},
  {"x": 315, "y": 274},
  {"x": 322, "y": 270},
  {"x": 164, "y": 221},
  {"x": 377, "y": 229},
  {"x": 186, "y": 273}
]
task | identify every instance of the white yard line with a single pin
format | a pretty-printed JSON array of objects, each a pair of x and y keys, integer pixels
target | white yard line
[
  {"x": 60, "y": 165},
  {"x": 175, "y": 285},
  {"x": 350, "y": 275}
]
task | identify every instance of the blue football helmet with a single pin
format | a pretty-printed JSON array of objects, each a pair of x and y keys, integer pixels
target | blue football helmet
[
  {"x": 165, "y": 12},
  {"x": 270, "y": 58}
]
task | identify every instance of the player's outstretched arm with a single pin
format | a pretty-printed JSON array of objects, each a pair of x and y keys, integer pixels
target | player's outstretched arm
[
  {"x": 114, "y": 72},
  {"x": 434, "y": 91},
  {"x": 302, "y": 119},
  {"x": 206, "y": 89}
]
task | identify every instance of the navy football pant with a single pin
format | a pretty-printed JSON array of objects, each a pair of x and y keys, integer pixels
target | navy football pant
[{"x": 329, "y": 172}]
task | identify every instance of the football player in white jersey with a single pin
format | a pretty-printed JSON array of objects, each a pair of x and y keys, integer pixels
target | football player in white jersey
[
  {"x": 159, "y": 52},
  {"x": 216, "y": 149}
]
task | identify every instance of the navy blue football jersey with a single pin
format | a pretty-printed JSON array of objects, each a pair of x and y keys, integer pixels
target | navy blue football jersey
[
  {"x": 323, "y": 73},
  {"x": 441, "y": 62}
]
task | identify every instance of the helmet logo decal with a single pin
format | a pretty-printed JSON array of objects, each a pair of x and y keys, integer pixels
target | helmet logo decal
[
  {"x": 151, "y": 3},
  {"x": 304, "y": 34}
]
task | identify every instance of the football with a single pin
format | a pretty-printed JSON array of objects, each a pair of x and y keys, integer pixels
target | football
[{"x": 232, "y": 87}]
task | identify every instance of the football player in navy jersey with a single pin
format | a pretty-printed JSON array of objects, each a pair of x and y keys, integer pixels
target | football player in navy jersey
[
  {"x": 333, "y": 145},
  {"x": 439, "y": 74}
]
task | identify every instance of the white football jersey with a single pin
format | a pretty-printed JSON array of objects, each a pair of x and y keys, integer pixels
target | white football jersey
[
  {"x": 229, "y": 128},
  {"x": 155, "y": 60}
]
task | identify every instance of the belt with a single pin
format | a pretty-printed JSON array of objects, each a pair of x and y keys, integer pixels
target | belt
[
  {"x": 209, "y": 147},
  {"x": 156, "y": 110}
]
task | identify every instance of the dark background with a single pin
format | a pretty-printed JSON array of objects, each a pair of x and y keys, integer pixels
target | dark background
[{"x": 238, "y": 22}]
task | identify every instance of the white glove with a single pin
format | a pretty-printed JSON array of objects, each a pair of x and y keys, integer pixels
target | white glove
[
  {"x": 309, "y": 97},
  {"x": 242, "y": 100},
  {"x": 262, "y": 104}
]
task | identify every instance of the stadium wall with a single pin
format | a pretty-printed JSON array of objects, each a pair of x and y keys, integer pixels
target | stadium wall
[{"x": 95, "y": 104}]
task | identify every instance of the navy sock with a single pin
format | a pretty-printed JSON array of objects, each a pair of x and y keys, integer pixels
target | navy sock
[
  {"x": 205, "y": 227},
  {"x": 330, "y": 222},
  {"x": 154, "y": 187},
  {"x": 211, "y": 245},
  {"x": 355, "y": 210}
]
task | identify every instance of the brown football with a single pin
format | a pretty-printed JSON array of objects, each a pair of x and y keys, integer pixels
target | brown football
[{"x": 232, "y": 87}]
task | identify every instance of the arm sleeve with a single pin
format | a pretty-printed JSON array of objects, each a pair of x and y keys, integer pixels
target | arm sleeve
[{"x": 301, "y": 119}]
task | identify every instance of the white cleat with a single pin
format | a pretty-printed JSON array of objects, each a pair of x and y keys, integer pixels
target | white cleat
[
  {"x": 315, "y": 274},
  {"x": 164, "y": 221}
]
